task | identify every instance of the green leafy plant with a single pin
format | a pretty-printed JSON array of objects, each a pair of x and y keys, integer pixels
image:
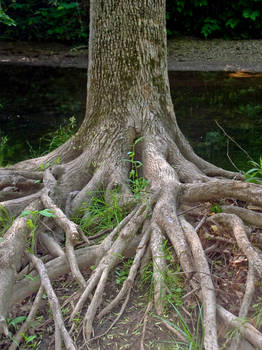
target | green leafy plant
[
  {"x": 15, "y": 321},
  {"x": 67, "y": 20},
  {"x": 138, "y": 184},
  {"x": 210, "y": 26},
  {"x": 31, "y": 222},
  {"x": 122, "y": 270},
  {"x": 63, "y": 20},
  {"x": 60, "y": 136},
  {"x": 5, "y": 19},
  {"x": 216, "y": 208},
  {"x": 30, "y": 340},
  {"x": 254, "y": 174},
  {"x": 48, "y": 164}
]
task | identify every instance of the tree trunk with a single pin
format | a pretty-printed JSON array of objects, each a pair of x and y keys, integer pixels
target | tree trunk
[{"x": 129, "y": 134}]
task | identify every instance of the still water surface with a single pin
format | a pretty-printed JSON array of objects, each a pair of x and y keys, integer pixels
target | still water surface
[{"x": 36, "y": 100}]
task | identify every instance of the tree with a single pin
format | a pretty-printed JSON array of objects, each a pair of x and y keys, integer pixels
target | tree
[{"x": 129, "y": 109}]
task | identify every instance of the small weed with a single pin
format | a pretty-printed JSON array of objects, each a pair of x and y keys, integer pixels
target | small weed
[
  {"x": 61, "y": 135},
  {"x": 254, "y": 174},
  {"x": 31, "y": 222},
  {"x": 122, "y": 271},
  {"x": 216, "y": 208},
  {"x": 30, "y": 340},
  {"x": 137, "y": 184},
  {"x": 77, "y": 320}
]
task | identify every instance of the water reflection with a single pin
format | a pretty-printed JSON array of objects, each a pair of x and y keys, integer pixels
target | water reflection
[{"x": 36, "y": 100}]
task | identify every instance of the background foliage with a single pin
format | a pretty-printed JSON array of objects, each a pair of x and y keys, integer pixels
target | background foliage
[
  {"x": 67, "y": 20},
  {"x": 53, "y": 20},
  {"x": 215, "y": 18}
]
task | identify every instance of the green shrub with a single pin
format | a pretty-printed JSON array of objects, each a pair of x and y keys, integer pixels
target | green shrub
[
  {"x": 219, "y": 18},
  {"x": 63, "y": 21}
]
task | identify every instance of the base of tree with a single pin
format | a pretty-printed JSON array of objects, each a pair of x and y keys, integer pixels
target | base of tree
[{"x": 177, "y": 207}]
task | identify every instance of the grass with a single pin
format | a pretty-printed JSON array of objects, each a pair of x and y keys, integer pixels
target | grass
[
  {"x": 172, "y": 278},
  {"x": 54, "y": 139},
  {"x": 194, "y": 334},
  {"x": 46, "y": 144},
  {"x": 258, "y": 312},
  {"x": 6, "y": 221},
  {"x": 100, "y": 214}
]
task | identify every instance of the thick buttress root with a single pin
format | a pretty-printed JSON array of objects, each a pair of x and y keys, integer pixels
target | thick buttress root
[{"x": 169, "y": 209}]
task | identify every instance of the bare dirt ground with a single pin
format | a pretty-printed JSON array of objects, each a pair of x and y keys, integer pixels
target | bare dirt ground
[{"x": 185, "y": 54}]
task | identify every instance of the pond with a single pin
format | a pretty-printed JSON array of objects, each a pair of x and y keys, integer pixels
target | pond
[{"x": 37, "y": 100}]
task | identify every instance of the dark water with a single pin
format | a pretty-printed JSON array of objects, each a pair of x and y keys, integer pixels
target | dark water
[{"x": 36, "y": 100}]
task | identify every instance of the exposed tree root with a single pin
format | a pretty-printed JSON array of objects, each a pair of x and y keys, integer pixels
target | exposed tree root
[
  {"x": 148, "y": 308},
  {"x": 60, "y": 330},
  {"x": 176, "y": 179},
  {"x": 207, "y": 287},
  {"x": 245, "y": 329},
  {"x": 246, "y": 302}
]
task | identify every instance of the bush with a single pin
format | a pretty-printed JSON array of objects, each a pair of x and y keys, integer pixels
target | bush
[
  {"x": 64, "y": 21},
  {"x": 216, "y": 18}
]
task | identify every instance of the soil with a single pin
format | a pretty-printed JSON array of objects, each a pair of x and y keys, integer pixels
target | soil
[{"x": 184, "y": 54}]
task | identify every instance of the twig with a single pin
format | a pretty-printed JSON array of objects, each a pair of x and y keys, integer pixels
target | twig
[
  {"x": 201, "y": 222},
  {"x": 72, "y": 234},
  {"x": 249, "y": 292},
  {"x": 191, "y": 292},
  {"x": 207, "y": 287},
  {"x": 188, "y": 210},
  {"x": 231, "y": 139},
  {"x": 229, "y": 158},
  {"x": 149, "y": 305},
  {"x": 211, "y": 248},
  {"x": 99, "y": 234},
  {"x": 53, "y": 301}
]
